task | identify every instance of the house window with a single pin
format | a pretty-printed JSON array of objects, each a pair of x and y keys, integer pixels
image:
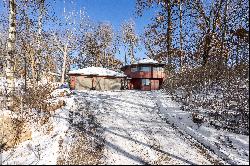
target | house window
[
  {"x": 145, "y": 82},
  {"x": 158, "y": 69},
  {"x": 145, "y": 69},
  {"x": 134, "y": 69}
]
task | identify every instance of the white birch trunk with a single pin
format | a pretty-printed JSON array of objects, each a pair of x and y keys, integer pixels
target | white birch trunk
[
  {"x": 11, "y": 49},
  {"x": 132, "y": 58},
  {"x": 65, "y": 54},
  {"x": 40, "y": 19}
]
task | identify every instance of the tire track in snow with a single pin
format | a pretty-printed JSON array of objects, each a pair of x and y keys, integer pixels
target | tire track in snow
[
  {"x": 135, "y": 134},
  {"x": 193, "y": 136}
]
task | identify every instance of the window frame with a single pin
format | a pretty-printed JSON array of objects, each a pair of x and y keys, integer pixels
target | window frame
[
  {"x": 158, "y": 69},
  {"x": 134, "y": 69},
  {"x": 147, "y": 67},
  {"x": 145, "y": 82}
]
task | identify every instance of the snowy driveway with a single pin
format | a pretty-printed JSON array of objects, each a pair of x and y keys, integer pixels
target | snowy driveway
[{"x": 134, "y": 132}]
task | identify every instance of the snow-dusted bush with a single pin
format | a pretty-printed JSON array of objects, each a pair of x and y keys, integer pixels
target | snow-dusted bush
[{"x": 221, "y": 93}]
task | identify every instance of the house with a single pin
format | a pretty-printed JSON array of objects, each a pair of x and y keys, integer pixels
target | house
[
  {"x": 146, "y": 74},
  {"x": 96, "y": 78}
]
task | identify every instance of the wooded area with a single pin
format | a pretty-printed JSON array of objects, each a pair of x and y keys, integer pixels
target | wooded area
[
  {"x": 203, "y": 44},
  {"x": 206, "y": 47}
]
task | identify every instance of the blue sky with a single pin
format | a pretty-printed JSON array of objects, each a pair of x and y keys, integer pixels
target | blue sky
[{"x": 113, "y": 11}]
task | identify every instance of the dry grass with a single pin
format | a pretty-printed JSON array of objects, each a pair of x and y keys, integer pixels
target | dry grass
[
  {"x": 81, "y": 152},
  {"x": 13, "y": 132}
]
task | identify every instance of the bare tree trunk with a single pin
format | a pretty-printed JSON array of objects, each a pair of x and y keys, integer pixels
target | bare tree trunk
[
  {"x": 33, "y": 66},
  {"x": 98, "y": 60},
  {"x": 207, "y": 48},
  {"x": 224, "y": 31},
  {"x": 181, "y": 37},
  {"x": 132, "y": 58},
  {"x": 169, "y": 32},
  {"x": 106, "y": 57},
  {"x": 40, "y": 19},
  {"x": 237, "y": 51},
  {"x": 25, "y": 73},
  {"x": 11, "y": 49},
  {"x": 65, "y": 54},
  {"x": 125, "y": 58}
]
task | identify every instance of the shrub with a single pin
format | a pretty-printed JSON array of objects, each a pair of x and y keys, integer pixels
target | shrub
[{"x": 221, "y": 91}]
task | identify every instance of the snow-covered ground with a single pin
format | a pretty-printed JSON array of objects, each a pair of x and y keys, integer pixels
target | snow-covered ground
[
  {"x": 43, "y": 148},
  {"x": 136, "y": 127},
  {"x": 233, "y": 148},
  {"x": 135, "y": 134}
]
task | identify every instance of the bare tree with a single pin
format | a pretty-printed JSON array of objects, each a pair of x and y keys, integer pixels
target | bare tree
[
  {"x": 130, "y": 38},
  {"x": 66, "y": 40},
  {"x": 105, "y": 36},
  {"x": 98, "y": 45},
  {"x": 164, "y": 36},
  {"x": 181, "y": 34}
]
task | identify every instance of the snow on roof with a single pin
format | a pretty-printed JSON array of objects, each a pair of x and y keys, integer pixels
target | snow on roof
[
  {"x": 146, "y": 61},
  {"x": 100, "y": 71}
]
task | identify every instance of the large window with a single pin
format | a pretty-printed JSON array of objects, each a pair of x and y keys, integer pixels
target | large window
[
  {"x": 144, "y": 68},
  {"x": 134, "y": 69},
  {"x": 158, "y": 69},
  {"x": 145, "y": 82}
]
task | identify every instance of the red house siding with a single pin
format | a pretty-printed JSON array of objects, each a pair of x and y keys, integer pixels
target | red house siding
[
  {"x": 72, "y": 82},
  {"x": 145, "y": 88},
  {"x": 136, "y": 83},
  {"x": 154, "y": 76},
  {"x": 155, "y": 84}
]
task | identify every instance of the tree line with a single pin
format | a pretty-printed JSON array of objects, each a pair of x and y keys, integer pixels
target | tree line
[
  {"x": 185, "y": 33},
  {"x": 208, "y": 38},
  {"x": 35, "y": 43},
  {"x": 205, "y": 45}
]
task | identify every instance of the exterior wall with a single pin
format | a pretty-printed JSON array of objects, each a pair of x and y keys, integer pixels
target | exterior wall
[
  {"x": 155, "y": 84},
  {"x": 137, "y": 84},
  {"x": 83, "y": 83},
  {"x": 156, "y": 78},
  {"x": 145, "y": 87},
  {"x": 143, "y": 74},
  {"x": 78, "y": 82},
  {"x": 105, "y": 83},
  {"x": 158, "y": 74},
  {"x": 72, "y": 82}
]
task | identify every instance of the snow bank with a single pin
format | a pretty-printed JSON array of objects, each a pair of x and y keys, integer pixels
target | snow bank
[
  {"x": 44, "y": 147},
  {"x": 62, "y": 139},
  {"x": 233, "y": 148},
  {"x": 61, "y": 92},
  {"x": 97, "y": 71}
]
